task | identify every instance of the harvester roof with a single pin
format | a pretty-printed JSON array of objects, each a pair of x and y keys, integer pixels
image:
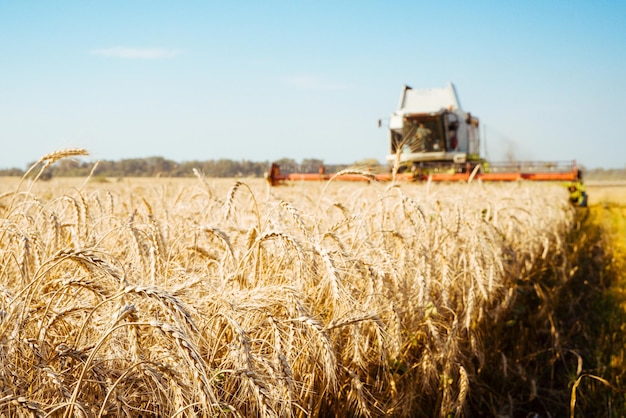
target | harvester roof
[{"x": 428, "y": 100}]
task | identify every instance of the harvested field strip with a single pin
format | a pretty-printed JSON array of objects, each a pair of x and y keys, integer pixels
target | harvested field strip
[{"x": 316, "y": 300}]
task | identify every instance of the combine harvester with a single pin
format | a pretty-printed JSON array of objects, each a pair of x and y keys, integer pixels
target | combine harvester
[{"x": 433, "y": 139}]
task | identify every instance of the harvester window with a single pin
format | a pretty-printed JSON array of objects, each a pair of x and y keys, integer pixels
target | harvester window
[
  {"x": 422, "y": 139},
  {"x": 425, "y": 136}
]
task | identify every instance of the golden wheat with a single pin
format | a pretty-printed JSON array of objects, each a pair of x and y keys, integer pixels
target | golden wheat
[{"x": 310, "y": 300}]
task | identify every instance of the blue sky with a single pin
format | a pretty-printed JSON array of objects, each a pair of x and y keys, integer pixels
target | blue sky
[{"x": 199, "y": 80}]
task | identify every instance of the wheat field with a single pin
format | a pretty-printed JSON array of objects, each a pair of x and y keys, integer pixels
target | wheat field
[{"x": 204, "y": 297}]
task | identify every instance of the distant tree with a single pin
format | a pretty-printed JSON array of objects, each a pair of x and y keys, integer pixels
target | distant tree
[
  {"x": 185, "y": 169},
  {"x": 287, "y": 165},
  {"x": 108, "y": 169},
  {"x": 159, "y": 166},
  {"x": 370, "y": 164},
  {"x": 311, "y": 165},
  {"x": 69, "y": 168},
  {"x": 12, "y": 172},
  {"x": 373, "y": 162},
  {"x": 253, "y": 168},
  {"x": 604, "y": 174}
]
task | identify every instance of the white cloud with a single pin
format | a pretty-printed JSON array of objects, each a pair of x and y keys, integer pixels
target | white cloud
[
  {"x": 135, "y": 53},
  {"x": 313, "y": 82}
]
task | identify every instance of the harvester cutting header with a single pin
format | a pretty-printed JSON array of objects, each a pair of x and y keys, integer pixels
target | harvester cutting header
[{"x": 432, "y": 138}]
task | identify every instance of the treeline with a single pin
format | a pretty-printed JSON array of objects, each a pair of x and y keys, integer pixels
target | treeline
[
  {"x": 605, "y": 174},
  {"x": 161, "y": 167}
]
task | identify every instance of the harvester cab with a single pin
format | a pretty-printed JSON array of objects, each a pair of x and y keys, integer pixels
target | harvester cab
[{"x": 430, "y": 129}]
